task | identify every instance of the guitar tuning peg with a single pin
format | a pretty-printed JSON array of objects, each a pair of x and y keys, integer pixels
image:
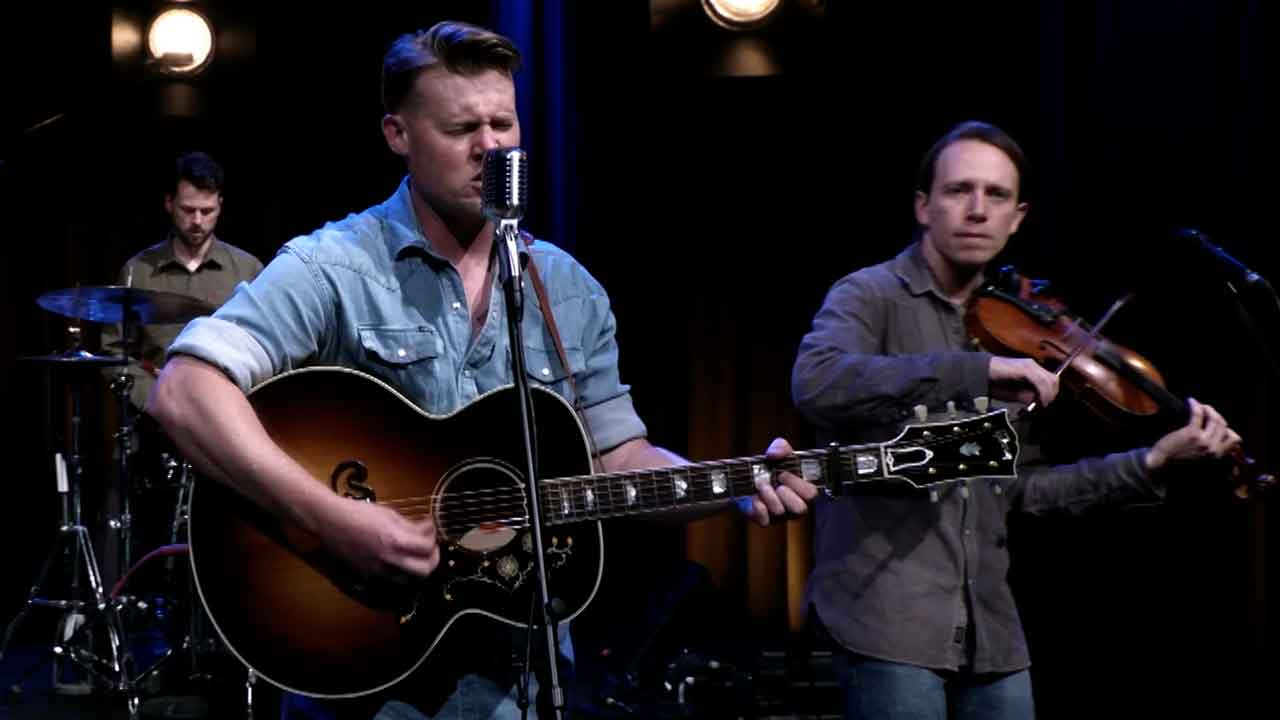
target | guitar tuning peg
[
  {"x": 922, "y": 412},
  {"x": 951, "y": 408},
  {"x": 981, "y": 403}
]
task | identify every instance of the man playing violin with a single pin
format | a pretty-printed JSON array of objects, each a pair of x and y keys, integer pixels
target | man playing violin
[{"x": 911, "y": 587}]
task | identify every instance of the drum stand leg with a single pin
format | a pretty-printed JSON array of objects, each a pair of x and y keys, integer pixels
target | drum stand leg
[
  {"x": 250, "y": 678},
  {"x": 73, "y": 539}
]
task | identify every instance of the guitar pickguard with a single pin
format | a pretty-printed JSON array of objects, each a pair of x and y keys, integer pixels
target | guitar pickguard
[{"x": 509, "y": 572}]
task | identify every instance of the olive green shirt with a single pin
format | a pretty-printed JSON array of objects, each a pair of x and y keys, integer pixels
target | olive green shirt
[{"x": 158, "y": 268}]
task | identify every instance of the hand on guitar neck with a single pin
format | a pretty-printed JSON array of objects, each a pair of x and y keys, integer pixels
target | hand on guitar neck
[{"x": 791, "y": 495}]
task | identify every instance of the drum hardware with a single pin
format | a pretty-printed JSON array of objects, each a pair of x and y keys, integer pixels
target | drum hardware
[
  {"x": 83, "y": 608},
  {"x": 121, "y": 386},
  {"x": 119, "y": 304},
  {"x": 94, "y": 619}
]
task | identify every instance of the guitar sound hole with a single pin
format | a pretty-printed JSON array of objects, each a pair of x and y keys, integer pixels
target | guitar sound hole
[{"x": 480, "y": 506}]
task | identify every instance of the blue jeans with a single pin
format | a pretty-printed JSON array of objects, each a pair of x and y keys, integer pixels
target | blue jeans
[
  {"x": 878, "y": 690},
  {"x": 476, "y": 697}
]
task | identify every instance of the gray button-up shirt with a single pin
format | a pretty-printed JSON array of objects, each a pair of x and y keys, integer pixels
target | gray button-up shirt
[
  {"x": 898, "y": 577},
  {"x": 368, "y": 292}
]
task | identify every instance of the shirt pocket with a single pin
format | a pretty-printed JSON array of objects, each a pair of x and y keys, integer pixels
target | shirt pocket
[
  {"x": 398, "y": 347},
  {"x": 543, "y": 365}
]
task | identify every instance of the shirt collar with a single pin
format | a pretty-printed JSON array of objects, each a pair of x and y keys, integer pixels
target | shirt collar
[
  {"x": 913, "y": 270},
  {"x": 218, "y": 256},
  {"x": 405, "y": 233}
]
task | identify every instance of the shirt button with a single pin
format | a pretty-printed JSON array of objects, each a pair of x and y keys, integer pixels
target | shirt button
[
  {"x": 401, "y": 353},
  {"x": 968, "y": 531},
  {"x": 467, "y": 372},
  {"x": 456, "y": 305},
  {"x": 546, "y": 372}
]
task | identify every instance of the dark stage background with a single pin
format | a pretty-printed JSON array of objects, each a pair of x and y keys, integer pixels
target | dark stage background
[{"x": 718, "y": 210}]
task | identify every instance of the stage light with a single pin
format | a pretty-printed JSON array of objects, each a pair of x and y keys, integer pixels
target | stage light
[
  {"x": 180, "y": 42},
  {"x": 740, "y": 14}
]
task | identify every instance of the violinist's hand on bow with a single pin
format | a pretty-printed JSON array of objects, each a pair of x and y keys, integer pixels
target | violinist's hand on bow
[
  {"x": 1022, "y": 380},
  {"x": 780, "y": 495},
  {"x": 1206, "y": 435}
]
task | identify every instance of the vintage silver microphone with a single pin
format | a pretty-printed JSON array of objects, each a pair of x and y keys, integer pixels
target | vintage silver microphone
[{"x": 504, "y": 192}]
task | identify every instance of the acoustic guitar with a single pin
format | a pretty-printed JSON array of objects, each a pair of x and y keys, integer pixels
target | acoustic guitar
[{"x": 300, "y": 619}]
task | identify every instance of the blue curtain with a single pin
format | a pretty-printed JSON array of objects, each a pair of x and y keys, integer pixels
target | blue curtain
[{"x": 547, "y": 103}]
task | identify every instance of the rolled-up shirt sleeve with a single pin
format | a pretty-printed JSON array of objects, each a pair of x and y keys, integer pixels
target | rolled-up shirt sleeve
[
  {"x": 606, "y": 402},
  {"x": 269, "y": 326}
]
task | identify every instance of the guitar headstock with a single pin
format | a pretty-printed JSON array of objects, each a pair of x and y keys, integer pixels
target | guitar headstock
[{"x": 953, "y": 446}]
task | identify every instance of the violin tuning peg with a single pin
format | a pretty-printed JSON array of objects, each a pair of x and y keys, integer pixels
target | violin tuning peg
[
  {"x": 951, "y": 408},
  {"x": 982, "y": 403},
  {"x": 922, "y": 412}
]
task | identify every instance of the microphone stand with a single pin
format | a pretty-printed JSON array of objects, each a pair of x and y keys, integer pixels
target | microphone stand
[
  {"x": 1249, "y": 281},
  {"x": 1257, "y": 281},
  {"x": 509, "y": 268}
]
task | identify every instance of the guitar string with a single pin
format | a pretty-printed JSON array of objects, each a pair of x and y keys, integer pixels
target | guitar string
[
  {"x": 660, "y": 479},
  {"x": 647, "y": 477},
  {"x": 657, "y": 475},
  {"x": 499, "y": 514},
  {"x": 658, "y": 482},
  {"x": 562, "y": 506}
]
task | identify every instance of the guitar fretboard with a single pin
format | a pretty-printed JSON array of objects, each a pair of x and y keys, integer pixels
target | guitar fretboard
[{"x": 595, "y": 497}]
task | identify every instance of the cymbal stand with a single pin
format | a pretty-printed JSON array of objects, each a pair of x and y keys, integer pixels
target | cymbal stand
[
  {"x": 122, "y": 387},
  {"x": 73, "y": 539}
]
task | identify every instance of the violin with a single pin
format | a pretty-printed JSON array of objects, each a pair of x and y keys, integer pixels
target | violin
[{"x": 1016, "y": 316}]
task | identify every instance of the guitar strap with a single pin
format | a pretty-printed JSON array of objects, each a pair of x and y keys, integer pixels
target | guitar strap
[{"x": 541, "y": 291}]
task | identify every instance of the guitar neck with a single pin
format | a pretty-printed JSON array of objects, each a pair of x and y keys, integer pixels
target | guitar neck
[{"x": 596, "y": 497}]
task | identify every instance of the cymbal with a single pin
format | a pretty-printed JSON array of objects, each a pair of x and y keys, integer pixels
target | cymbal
[
  {"x": 113, "y": 303},
  {"x": 78, "y": 358}
]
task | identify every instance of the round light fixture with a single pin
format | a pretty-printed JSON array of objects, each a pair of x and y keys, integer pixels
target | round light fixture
[
  {"x": 740, "y": 14},
  {"x": 180, "y": 41}
]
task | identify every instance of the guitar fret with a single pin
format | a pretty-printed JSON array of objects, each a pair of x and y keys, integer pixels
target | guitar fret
[{"x": 649, "y": 494}]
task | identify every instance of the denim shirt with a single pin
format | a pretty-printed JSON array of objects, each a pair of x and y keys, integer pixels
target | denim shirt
[
  {"x": 370, "y": 293},
  {"x": 898, "y": 577}
]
